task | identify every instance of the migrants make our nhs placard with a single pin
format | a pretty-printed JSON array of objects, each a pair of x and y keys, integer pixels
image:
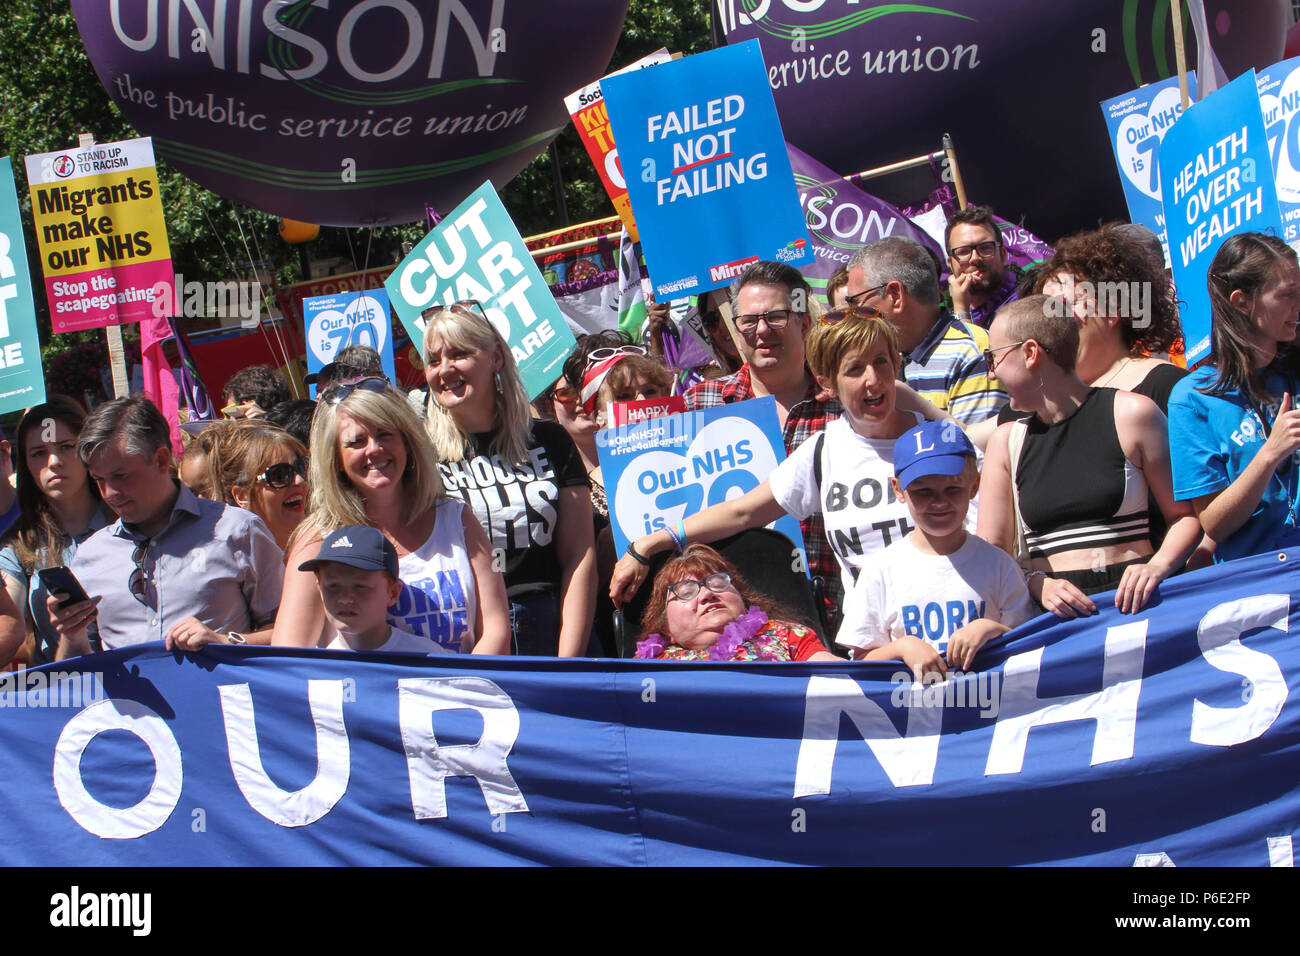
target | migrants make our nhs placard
[
  {"x": 1217, "y": 180},
  {"x": 339, "y": 321},
  {"x": 477, "y": 253},
  {"x": 1138, "y": 122},
  {"x": 1279, "y": 99},
  {"x": 705, "y": 163},
  {"x": 99, "y": 225},
  {"x": 22, "y": 380},
  {"x": 663, "y": 470}
]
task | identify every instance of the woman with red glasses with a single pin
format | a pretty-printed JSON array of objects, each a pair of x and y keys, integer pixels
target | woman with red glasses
[
  {"x": 262, "y": 469},
  {"x": 372, "y": 464},
  {"x": 522, "y": 478}
]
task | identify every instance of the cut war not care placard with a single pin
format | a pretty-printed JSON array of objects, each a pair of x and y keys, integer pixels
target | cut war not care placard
[
  {"x": 22, "y": 380},
  {"x": 663, "y": 470},
  {"x": 477, "y": 253},
  {"x": 1138, "y": 122},
  {"x": 99, "y": 225},
  {"x": 1217, "y": 180},
  {"x": 706, "y": 168}
]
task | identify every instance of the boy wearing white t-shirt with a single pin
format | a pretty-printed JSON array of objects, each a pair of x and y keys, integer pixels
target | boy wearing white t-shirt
[
  {"x": 358, "y": 575},
  {"x": 937, "y": 596}
]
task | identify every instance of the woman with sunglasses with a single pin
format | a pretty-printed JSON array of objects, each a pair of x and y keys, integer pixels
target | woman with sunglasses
[
  {"x": 842, "y": 473},
  {"x": 702, "y": 609},
  {"x": 371, "y": 464},
  {"x": 262, "y": 469},
  {"x": 60, "y": 508},
  {"x": 1076, "y": 474},
  {"x": 522, "y": 477}
]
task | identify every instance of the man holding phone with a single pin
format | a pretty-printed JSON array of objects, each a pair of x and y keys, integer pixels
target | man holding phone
[{"x": 175, "y": 568}]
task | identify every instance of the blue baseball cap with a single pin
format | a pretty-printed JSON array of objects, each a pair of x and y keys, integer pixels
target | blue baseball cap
[
  {"x": 931, "y": 448},
  {"x": 357, "y": 546}
]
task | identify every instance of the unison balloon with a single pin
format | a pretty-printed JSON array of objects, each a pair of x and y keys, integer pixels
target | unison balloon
[
  {"x": 347, "y": 113},
  {"x": 1017, "y": 83}
]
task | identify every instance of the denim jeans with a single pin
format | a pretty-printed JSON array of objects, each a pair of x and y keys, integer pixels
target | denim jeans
[{"x": 535, "y": 624}]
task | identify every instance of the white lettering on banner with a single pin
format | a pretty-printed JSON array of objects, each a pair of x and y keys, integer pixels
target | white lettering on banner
[
  {"x": 286, "y": 808},
  {"x": 429, "y": 765},
  {"x": 113, "y": 823},
  {"x": 1279, "y": 851},
  {"x": 908, "y": 760},
  {"x": 10, "y": 289},
  {"x": 1219, "y": 635},
  {"x": 1114, "y": 707}
]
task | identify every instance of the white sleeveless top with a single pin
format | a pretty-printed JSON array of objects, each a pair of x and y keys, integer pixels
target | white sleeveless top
[{"x": 439, "y": 599}]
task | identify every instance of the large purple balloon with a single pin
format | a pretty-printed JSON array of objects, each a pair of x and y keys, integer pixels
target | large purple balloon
[
  {"x": 1017, "y": 83},
  {"x": 350, "y": 112}
]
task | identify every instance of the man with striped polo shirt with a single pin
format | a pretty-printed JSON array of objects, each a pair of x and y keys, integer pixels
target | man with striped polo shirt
[{"x": 943, "y": 358}]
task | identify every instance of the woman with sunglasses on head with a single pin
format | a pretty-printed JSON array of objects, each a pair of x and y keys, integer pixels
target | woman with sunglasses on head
[
  {"x": 262, "y": 469},
  {"x": 60, "y": 508},
  {"x": 371, "y": 464},
  {"x": 842, "y": 473},
  {"x": 522, "y": 477},
  {"x": 1077, "y": 473},
  {"x": 1234, "y": 427},
  {"x": 702, "y": 609}
]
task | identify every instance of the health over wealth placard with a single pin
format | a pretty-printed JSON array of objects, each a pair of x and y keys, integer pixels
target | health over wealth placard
[
  {"x": 477, "y": 253},
  {"x": 702, "y": 151},
  {"x": 662, "y": 470},
  {"x": 22, "y": 380},
  {"x": 1217, "y": 180},
  {"x": 99, "y": 225}
]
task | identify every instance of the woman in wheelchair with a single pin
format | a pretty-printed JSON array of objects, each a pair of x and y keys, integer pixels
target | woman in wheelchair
[{"x": 702, "y": 609}]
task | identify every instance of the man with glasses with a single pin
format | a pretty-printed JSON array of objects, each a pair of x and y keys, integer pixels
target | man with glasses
[
  {"x": 981, "y": 282},
  {"x": 173, "y": 567},
  {"x": 943, "y": 357},
  {"x": 769, "y": 305}
]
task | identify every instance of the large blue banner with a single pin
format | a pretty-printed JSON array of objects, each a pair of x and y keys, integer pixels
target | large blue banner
[
  {"x": 1216, "y": 180},
  {"x": 1169, "y": 736},
  {"x": 706, "y": 168}
]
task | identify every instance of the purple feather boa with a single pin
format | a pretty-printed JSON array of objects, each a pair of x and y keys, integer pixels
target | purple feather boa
[{"x": 736, "y": 633}]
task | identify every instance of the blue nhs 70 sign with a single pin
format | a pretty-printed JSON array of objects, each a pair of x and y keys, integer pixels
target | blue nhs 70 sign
[{"x": 338, "y": 321}]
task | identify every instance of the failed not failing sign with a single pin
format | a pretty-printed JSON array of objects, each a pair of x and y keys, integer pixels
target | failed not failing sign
[{"x": 476, "y": 253}]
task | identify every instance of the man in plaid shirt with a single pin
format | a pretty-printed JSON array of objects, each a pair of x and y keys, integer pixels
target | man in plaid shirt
[
  {"x": 770, "y": 304},
  {"x": 943, "y": 357}
]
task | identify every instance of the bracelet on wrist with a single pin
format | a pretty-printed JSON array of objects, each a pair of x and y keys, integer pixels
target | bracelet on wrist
[
  {"x": 681, "y": 533},
  {"x": 637, "y": 555},
  {"x": 678, "y": 543}
]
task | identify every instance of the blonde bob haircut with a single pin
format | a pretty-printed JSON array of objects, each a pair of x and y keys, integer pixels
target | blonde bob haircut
[
  {"x": 828, "y": 344},
  {"x": 462, "y": 327},
  {"x": 333, "y": 502}
]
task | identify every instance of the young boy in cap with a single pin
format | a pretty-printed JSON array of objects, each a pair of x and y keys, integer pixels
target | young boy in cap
[
  {"x": 357, "y": 573},
  {"x": 936, "y": 596}
]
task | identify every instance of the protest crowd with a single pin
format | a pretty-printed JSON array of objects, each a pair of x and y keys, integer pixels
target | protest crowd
[{"x": 962, "y": 455}]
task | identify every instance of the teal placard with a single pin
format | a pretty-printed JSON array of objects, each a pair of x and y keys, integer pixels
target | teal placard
[
  {"x": 22, "y": 380},
  {"x": 477, "y": 253}
]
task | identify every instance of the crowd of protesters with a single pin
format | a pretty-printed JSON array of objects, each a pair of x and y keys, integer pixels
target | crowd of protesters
[{"x": 1012, "y": 442}]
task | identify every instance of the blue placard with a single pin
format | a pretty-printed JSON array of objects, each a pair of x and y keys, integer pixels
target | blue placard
[
  {"x": 707, "y": 171},
  {"x": 1217, "y": 179},
  {"x": 1137, "y": 123},
  {"x": 659, "y": 471},
  {"x": 1170, "y": 736},
  {"x": 476, "y": 253},
  {"x": 335, "y": 322},
  {"x": 22, "y": 379},
  {"x": 1279, "y": 99}
]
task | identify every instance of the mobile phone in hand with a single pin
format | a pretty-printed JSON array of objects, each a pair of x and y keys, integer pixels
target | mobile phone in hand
[{"x": 62, "y": 581}]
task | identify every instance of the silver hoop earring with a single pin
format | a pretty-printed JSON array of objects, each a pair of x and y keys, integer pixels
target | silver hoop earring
[{"x": 500, "y": 388}]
